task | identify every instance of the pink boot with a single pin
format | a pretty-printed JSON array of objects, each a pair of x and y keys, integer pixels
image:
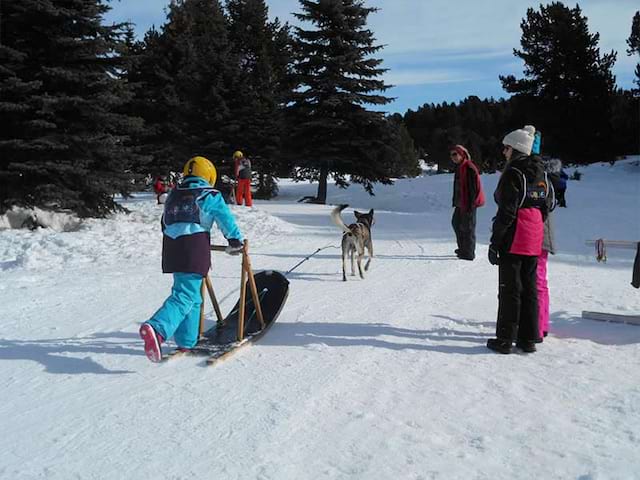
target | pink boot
[{"x": 152, "y": 342}]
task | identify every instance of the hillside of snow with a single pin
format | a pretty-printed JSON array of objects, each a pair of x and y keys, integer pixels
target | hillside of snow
[{"x": 382, "y": 378}]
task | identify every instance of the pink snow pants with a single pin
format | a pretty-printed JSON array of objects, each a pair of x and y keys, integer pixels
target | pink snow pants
[{"x": 543, "y": 294}]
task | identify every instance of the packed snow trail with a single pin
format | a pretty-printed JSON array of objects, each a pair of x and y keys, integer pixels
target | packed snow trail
[{"x": 386, "y": 377}]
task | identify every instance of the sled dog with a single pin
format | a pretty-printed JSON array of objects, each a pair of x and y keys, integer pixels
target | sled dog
[{"x": 356, "y": 237}]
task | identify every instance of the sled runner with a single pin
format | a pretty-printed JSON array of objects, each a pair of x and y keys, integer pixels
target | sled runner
[
  {"x": 611, "y": 317},
  {"x": 601, "y": 256},
  {"x": 250, "y": 318}
]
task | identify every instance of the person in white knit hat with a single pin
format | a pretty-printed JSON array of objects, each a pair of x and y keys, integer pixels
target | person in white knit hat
[
  {"x": 521, "y": 140},
  {"x": 516, "y": 242}
]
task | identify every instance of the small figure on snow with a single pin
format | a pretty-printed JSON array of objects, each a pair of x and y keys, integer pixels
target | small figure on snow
[
  {"x": 189, "y": 214},
  {"x": 467, "y": 197},
  {"x": 516, "y": 242},
  {"x": 161, "y": 188},
  {"x": 242, "y": 170},
  {"x": 559, "y": 178}
]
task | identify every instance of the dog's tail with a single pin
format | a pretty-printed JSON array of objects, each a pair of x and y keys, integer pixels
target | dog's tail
[{"x": 337, "y": 219}]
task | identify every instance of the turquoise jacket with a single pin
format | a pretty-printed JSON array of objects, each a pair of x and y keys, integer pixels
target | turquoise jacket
[
  {"x": 189, "y": 214},
  {"x": 213, "y": 209}
]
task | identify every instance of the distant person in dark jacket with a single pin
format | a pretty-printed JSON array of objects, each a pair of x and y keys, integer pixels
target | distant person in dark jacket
[
  {"x": 516, "y": 242},
  {"x": 242, "y": 167},
  {"x": 559, "y": 178},
  {"x": 562, "y": 188},
  {"x": 467, "y": 197}
]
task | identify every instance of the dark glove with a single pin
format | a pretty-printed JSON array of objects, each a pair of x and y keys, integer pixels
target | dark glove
[
  {"x": 494, "y": 257},
  {"x": 235, "y": 246}
]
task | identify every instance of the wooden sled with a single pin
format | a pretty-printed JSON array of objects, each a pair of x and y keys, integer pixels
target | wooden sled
[
  {"x": 601, "y": 256},
  {"x": 250, "y": 318},
  {"x": 611, "y": 317}
]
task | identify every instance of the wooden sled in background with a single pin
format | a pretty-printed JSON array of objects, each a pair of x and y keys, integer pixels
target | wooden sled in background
[
  {"x": 601, "y": 256},
  {"x": 611, "y": 317}
]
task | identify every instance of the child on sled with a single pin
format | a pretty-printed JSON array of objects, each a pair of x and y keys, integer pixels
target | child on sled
[{"x": 189, "y": 213}]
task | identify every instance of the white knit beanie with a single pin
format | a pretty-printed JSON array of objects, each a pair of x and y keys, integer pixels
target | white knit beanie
[{"x": 521, "y": 140}]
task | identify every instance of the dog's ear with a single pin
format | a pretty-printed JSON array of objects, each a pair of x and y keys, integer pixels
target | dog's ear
[
  {"x": 371, "y": 212},
  {"x": 357, "y": 214}
]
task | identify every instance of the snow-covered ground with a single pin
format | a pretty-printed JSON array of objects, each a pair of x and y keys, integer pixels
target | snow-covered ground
[{"x": 382, "y": 378}]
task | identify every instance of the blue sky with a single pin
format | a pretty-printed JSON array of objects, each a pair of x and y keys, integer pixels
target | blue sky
[{"x": 443, "y": 50}]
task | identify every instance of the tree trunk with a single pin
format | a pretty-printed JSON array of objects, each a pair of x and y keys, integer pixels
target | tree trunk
[{"x": 322, "y": 184}]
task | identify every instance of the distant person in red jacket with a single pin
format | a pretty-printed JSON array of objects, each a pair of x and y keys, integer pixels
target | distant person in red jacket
[
  {"x": 467, "y": 197},
  {"x": 160, "y": 187},
  {"x": 242, "y": 168}
]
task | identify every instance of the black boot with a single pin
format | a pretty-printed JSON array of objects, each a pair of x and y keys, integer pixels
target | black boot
[
  {"x": 527, "y": 347},
  {"x": 499, "y": 345}
]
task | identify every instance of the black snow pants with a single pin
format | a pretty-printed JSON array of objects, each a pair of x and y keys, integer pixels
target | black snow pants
[
  {"x": 464, "y": 225},
  {"x": 635, "y": 278},
  {"x": 518, "y": 299},
  {"x": 562, "y": 202}
]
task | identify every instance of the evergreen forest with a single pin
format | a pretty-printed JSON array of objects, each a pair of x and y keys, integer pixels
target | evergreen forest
[{"x": 89, "y": 111}]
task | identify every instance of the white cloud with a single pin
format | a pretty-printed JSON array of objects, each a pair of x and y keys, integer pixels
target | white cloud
[{"x": 424, "y": 77}]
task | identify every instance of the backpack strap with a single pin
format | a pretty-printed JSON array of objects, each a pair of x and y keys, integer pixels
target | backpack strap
[
  {"x": 524, "y": 186},
  {"x": 552, "y": 191}
]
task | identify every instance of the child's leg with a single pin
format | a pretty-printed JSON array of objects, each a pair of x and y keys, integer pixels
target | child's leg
[
  {"x": 186, "y": 335},
  {"x": 239, "y": 192},
  {"x": 185, "y": 297},
  {"x": 543, "y": 294},
  {"x": 247, "y": 194}
]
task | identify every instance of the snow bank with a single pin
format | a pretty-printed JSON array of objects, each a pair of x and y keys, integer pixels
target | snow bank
[
  {"x": 19, "y": 217},
  {"x": 134, "y": 238}
]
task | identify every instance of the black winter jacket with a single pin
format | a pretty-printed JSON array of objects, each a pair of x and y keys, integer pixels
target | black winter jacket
[
  {"x": 472, "y": 188},
  {"x": 508, "y": 196}
]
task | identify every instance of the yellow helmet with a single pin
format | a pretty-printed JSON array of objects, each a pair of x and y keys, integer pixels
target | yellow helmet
[
  {"x": 201, "y": 167},
  {"x": 238, "y": 154}
]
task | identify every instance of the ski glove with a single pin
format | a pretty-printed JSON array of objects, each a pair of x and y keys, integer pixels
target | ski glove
[
  {"x": 235, "y": 246},
  {"x": 494, "y": 258}
]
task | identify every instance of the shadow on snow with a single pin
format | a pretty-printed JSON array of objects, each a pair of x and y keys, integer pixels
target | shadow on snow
[
  {"x": 565, "y": 325},
  {"x": 368, "y": 334},
  {"x": 53, "y": 353}
]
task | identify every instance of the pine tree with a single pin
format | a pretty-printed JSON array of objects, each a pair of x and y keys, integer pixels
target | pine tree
[
  {"x": 477, "y": 124},
  {"x": 263, "y": 50},
  {"x": 156, "y": 99},
  {"x": 184, "y": 73},
  {"x": 634, "y": 45},
  {"x": 568, "y": 85},
  {"x": 332, "y": 131},
  {"x": 403, "y": 155},
  {"x": 63, "y": 136}
]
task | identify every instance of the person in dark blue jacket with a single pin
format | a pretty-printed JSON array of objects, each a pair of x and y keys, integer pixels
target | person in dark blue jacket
[
  {"x": 559, "y": 178},
  {"x": 189, "y": 214},
  {"x": 562, "y": 188}
]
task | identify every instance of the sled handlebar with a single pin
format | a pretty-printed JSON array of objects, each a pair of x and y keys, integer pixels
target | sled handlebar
[{"x": 223, "y": 248}]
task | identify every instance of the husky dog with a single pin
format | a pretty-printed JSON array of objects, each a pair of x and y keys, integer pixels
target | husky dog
[{"x": 356, "y": 237}]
